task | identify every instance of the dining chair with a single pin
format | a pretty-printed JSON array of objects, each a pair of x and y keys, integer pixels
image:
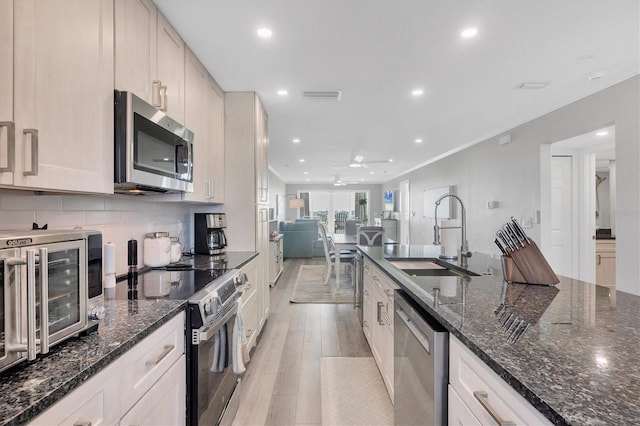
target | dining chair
[
  {"x": 347, "y": 258},
  {"x": 370, "y": 236},
  {"x": 340, "y": 220}
]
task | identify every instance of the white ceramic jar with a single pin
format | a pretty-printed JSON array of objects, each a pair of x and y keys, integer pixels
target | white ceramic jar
[
  {"x": 176, "y": 249},
  {"x": 157, "y": 249}
]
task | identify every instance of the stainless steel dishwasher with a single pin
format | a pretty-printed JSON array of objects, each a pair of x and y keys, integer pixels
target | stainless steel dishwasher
[{"x": 421, "y": 365}]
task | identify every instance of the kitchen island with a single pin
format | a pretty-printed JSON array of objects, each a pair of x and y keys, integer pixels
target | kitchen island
[
  {"x": 577, "y": 362},
  {"x": 28, "y": 389}
]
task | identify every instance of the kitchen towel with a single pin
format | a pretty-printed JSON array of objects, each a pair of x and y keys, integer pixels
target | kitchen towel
[
  {"x": 238, "y": 332},
  {"x": 219, "y": 350}
]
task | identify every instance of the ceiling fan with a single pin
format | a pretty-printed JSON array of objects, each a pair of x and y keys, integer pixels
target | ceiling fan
[{"x": 357, "y": 161}]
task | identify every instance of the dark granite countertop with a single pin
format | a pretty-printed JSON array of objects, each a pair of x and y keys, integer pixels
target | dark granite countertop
[
  {"x": 577, "y": 360},
  {"x": 28, "y": 389}
]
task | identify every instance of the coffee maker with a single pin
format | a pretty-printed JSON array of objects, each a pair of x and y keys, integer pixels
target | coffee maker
[{"x": 209, "y": 234}]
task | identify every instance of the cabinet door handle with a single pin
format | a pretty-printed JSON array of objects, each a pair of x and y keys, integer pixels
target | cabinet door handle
[
  {"x": 379, "y": 313},
  {"x": 212, "y": 189},
  {"x": 82, "y": 423},
  {"x": 599, "y": 259},
  {"x": 34, "y": 151},
  {"x": 156, "y": 100},
  {"x": 483, "y": 399},
  {"x": 165, "y": 105},
  {"x": 11, "y": 145},
  {"x": 152, "y": 362}
]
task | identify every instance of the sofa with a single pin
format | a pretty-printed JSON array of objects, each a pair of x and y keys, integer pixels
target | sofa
[{"x": 301, "y": 239}]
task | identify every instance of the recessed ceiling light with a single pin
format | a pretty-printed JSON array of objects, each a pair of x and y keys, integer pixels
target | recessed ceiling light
[
  {"x": 603, "y": 133},
  {"x": 282, "y": 92},
  {"x": 307, "y": 179},
  {"x": 469, "y": 32},
  {"x": 370, "y": 173},
  {"x": 305, "y": 173},
  {"x": 264, "y": 32},
  {"x": 361, "y": 179},
  {"x": 302, "y": 160},
  {"x": 417, "y": 92},
  {"x": 295, "y": 140},
  {"x": 391, "y": 160},
  {"x": 418, "y": 140}
]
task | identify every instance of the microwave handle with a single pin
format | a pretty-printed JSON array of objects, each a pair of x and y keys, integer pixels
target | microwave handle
[{"x": 44, "y": 300}]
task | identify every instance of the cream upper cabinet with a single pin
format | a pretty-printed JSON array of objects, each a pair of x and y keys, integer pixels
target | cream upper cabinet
[
  {"x": 204, "y": 115},
  {"x": 150, "y": 56},
  {"x": 214, "y": 111},
  {"x": 262, "y": 154},
  {"x": 7, "y": 124},
  {"x": 62, "y": 94}
]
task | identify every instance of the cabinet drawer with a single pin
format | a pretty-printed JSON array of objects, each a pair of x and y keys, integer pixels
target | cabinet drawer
[
  {"x": 165, "y": 403},
  {"x": 458, "y": 412},
  {"x": 468, "y": 374},
  {"x": 146, "y": 362},
  {"x": 95, "y": 401}
]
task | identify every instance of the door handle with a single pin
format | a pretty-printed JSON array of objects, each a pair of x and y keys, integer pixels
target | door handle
[
  {"x": 11, "y": 145},
  {"x": 31, "y": 305},
  {"x": 34, "y": 151},
  {"x": 165, "y": 351},
  {"x": 599, "y": 259},
  {"x": 156, "y": 100},
  {"x": 163, "y": 96},
  {"x": 44, "y": 300}
]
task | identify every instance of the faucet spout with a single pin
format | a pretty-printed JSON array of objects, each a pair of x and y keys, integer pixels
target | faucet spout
[{"x": 464, "y": 248}]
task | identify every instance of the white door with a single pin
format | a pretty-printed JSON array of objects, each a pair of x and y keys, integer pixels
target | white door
[
  {"x": 405, "y": 212},
  {"x": 170, "y": 57},
  {"x": 561, "y": 259}
]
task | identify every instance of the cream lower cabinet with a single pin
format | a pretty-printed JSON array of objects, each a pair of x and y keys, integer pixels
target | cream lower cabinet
[
  {"x": 276, "y": 260},
  {"x": 145, "y": 386},
  {"x": 606, "y": 263},
  {"x": 252, "y": 311},
  {"x": 378, "y": 324},
  {"x": 57, "y": 119},
  {"x": 475, "y": 390}
]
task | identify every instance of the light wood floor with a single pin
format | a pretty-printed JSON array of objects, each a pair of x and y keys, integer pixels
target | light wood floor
[{"x": 282, "y": 383}]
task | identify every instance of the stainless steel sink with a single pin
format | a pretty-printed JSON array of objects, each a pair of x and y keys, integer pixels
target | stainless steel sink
[{"x": 428, "y": 268}]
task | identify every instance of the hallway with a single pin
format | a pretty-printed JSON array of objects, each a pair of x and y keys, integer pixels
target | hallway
[{"x": 282, "y": 383}]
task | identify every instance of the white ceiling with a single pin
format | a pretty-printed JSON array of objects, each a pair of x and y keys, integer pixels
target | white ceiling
[{"x": 377, "y": 51}]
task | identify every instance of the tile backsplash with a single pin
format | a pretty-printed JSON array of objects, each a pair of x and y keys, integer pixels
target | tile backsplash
[{"x": 119, "y": 217}]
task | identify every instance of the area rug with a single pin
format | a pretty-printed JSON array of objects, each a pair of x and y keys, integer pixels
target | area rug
[
  {"x": 353, "y": 392},
  {"x": 310, "y": 287}
]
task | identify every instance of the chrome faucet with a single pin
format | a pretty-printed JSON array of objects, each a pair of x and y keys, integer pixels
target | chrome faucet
[{"x": 464, "y": 249}]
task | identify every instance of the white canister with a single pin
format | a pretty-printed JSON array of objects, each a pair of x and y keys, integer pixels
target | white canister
[
  {"x": 157, "y": 249},
  {"x": 176, "y": 249}
]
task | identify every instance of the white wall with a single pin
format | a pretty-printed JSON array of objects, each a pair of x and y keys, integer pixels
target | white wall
[
  {"x": 510, "y": 174},
  {"x": 119, "y": 217},
  {"x": 375, "y": 195},
  {"x": 277, "y": 187}
]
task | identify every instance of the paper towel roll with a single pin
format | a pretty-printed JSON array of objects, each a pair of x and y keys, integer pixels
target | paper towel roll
[
  {"x": 109, "y": 258},
  {"x": 109, "y": 281},
  {"x": 449, "y": 239},
  {"x": 448, "y": 286}
]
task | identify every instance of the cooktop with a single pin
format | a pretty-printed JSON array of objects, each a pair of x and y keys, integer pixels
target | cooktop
[{"x": 163, "y": 284}]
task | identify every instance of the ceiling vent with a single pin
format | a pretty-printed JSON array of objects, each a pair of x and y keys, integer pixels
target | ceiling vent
[
  {"x": 533, "y": 85},
  {"x": 323, "y": 96}
]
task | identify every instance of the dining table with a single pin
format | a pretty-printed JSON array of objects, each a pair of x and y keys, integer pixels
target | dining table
[{"x": 342, "y": 242}]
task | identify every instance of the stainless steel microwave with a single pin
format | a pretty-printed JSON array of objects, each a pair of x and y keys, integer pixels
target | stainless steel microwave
[
  {"x": 153, "y": 153},
  {"x": 51, "y": 290}
]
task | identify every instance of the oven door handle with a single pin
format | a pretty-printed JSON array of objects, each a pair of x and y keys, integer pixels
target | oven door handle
[
  {"x": 206, "y": 333},
  {"x": 44, "y": 300}
]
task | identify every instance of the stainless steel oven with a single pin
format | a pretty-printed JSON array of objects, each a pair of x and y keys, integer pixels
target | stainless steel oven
[
  {"x": 51, "y": 290},
  {"x": 213, "y": 384},
  {"x": 153, "y": 153}
]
